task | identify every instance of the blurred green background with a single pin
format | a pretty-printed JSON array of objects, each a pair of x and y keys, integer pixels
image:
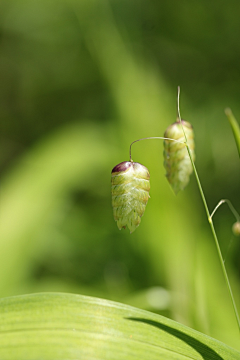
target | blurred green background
[{"x": 79, "y": 81}]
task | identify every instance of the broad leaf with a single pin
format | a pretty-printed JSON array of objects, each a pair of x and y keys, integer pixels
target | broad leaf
[{"x": 64, "y": 326}]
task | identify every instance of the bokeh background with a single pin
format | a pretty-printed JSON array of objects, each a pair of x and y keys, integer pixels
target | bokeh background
[{"x": 79, "y": 81}]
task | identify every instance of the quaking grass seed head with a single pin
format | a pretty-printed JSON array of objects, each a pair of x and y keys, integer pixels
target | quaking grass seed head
[
  {"x": 236, "y": 228},
  {"x": 176, "y": 159},
  {"x": 130, "y": 193}
]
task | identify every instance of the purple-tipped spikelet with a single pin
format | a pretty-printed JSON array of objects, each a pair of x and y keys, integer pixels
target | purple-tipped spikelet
[
  {"x": 130, "y": 193},
  {"x": 176, "y": 159}
]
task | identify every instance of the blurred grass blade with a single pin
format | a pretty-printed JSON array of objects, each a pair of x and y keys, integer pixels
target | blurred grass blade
[
  {"x": 235, "y": 127},
  {"x": 65, "y": 326},
  {"x": 35, "y": 188}
]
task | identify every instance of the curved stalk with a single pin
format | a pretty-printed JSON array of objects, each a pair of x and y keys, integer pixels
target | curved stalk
[
  {"x": 215, "y": 239},
  {"x": 210, "y": 221},
  {"x": 151, "y": 138},
  {"x": 223, "y": 201}
]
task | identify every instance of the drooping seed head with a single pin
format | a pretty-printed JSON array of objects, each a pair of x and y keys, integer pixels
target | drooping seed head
[
  {"x": 236, "y": 228},
  {"x": 130, "y": 193},
  {"x": 176, "y": 159}
]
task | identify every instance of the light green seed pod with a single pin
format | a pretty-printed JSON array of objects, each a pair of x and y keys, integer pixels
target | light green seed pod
[
  {"x": 236, "y": 228},
  {"x": 130, "y": 193},
  {"x": 176, "y": 159}
]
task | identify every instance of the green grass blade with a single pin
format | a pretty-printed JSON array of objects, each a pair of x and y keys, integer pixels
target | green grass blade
[
  {"x": 235, "y": 127},
  {"x": 65, "y": 326}
]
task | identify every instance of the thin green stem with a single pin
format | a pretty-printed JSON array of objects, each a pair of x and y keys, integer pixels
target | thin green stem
[
  {"x": 151, "y": 138},
  {"x": 214, "y": 235},
  {"x": 215, "y": 238},
  {"x": 207, "y": 212},
  {"x": 210, "y": 220}
]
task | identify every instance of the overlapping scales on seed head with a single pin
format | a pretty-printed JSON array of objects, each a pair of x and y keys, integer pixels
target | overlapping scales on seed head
[{"x": 130, "y": 193}]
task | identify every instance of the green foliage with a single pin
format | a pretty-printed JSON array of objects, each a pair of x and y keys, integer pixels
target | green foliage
[{"x": 63, "y": 326}]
